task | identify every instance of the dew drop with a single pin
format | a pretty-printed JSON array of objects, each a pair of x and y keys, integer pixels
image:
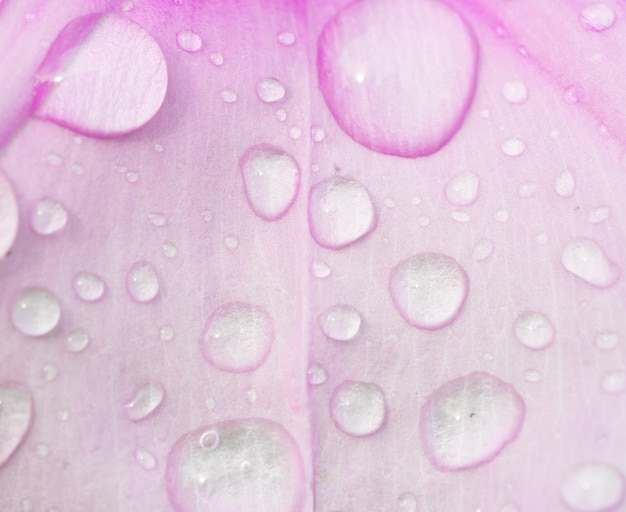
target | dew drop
[
  {"x": 320, "y": 269},
  {"x": 50, "y": 372},
  {"x": 48, "y": 217},
  {"x": 585, "y": 259},
  {"x": 36, "y": 311},
  {"x": 281, "y": 114},
  {"x": 88, "y": 287},
  {"x": 340, "y": 322},
  {"x": 189, "y": 41},
  {"x": 527, "y": 189},
  {"x": 532, "y": 375},
  {"x": 565, "y": 184},
  {"x": 145, "y": 459},
  {"x": 407, "y": 502},
  {"x": 216, "y": 58},
  {"x": 132, "y": 176},
  {"x": 460, "y": 216},
  {"x": 42, "y": 450},
  {"x": 157, "y": 219},
  {"x": 423, "y": 220},
  {"x": 271, "y": 179},
  {"x": 597, "y": 17},
  {"x": 534, "y": 330},
  {"x": 429, "y": 290},
  {"x": 251, "y": 395},
  {"x": 317, "y": 375},
  {"x": 462, "y": 190},
  {"x": 229, "y": 96},
  {"x": 231, "y": 242},
  {"x": 468, "y": 421},
  {"x": 64, "y": 414},
  {"x": 54, "y": 160},
  {"x": 77, "y": 341},
  {"x": 270, "y": 90},
  {"x": 142, "y": 282},
  {"x": 169, "y": 250},
  {"x": 340, "y": 212},
  {"x": 361, "y": 70},
  {"x": 358, "y": 408},
  {"x": 614, "y": 382},
  {"x": 593, "y": 487},
  {"x": 318, "y": 134},
  {"x": 237, "y": 337},
  {"x": 502, "y": 215},
  {"x": 256, "y": 466},
  {"x": 513, "y": 147},
  {"x": 295, "y": 132},
  {"x": 9, "y": 216},
  {"x": 599, "y": 214},
  {"x": 286, "y": 38},
  {"x": 571, "y": 94},
  {"x": 607, "y": 340},
  {"x": 515, "y": 92},
  {"x": 16, "y": 414},
  {"x": 166, "y": 333},
  {"x": 145, "y": 401}
]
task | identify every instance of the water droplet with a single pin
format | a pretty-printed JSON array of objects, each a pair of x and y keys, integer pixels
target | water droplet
[
  {"x": 607, "y": 340},
  {"x": 460, "y": 216},
  {"x": 145, "y": 459},
  {"x": 132, "y": 176},
  {"x": 572, "y": 94},
  {"x": 209, "y": 440},
  {"x": 64, "y": 414},
  {"x": 484, "y": 113},
  {"x": 532, "y": 375},
  {"x": 599, "y": 214},
  {"x": 231, "y": 242},
  {"x": 286, "y": 38},
  {"x": 358, "y": 75},
  {"x": 166, "y": 333},
  {"x": 237, "y": 337},
  {"x": 317, "y": 375},
  {"x": 295, "y": 132},
  {"x": 27, "y": 506},
  {"x": 320, "y": 269},
  {"x": 416, "y": 200},
  {"x": 270, "y": 90},
  {"x": 584, "y": 258},
  {"x": 423, "y": 220},
  {"x": 271, "y": 179},
  {"x": 50, "y": 372},
  {"x": 9, "y": 216},
  {"x": 229, "y": 96},
  {"x": 407, "y": 502},
  {"x": 142, "y": 282},
  {"x": 48, "y": 217},
  {"x": 462, "y": 190},
  {"x": 597, "y": 17},
  {"x": 502, "y": 215},
  {"x": 593, "y": 487},
  {"x": 122, "y": 93},
  {"x": 77, "y": 169},
  {"x": 429, "y": 290},
  {"x": 358, "y": 408},
  {"x": 468, "y": 421},
  {"x": 157, "y": 219},
  {"x": 527, "y": 189},
  {"x": 340, "y": 322},
  {"x": 318, "y": 134},
  {"x": 541, "y": 238},
  {"x": 88, "y": 287},
  {"x": 390, "y": 202},
  {"x": 145, "y": 401},
  {"x": 255, "y": 466},
  {"x": 614, "y": 382},
  {"x": 36, "y": 311},
  {"x": 169, "y": 250},
  {"x": 251, "y": 395},
  {"x": 207, "y": 215},
  {"x": 281, "y": 115},
  {"x": 534, "y": 330},
  {"x": 54, "y": 160},
  {"x": 515, "y": 92},
  {"x": 340, "y": 212},
  {"x": 189, "y": 41},
  {"x": 42, "y": 450},
  {"x": 16, "y": 413},
  {"x": 216, "y": 58},
  {"x": 210, "y": 403},
  {"x": 513, "y": 147},
  {"x": 565, "y": 184}
]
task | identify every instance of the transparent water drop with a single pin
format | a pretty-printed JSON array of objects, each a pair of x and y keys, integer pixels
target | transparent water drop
[
  {"x": 295, "y": 132},
  {"x": 318, "y": 134},
  {"x": 585, "y": 259},
  {"x": 16, "y": 414},
  {"x": 317, "y": 375},
  {"x": 320, "y": 269},
  {"x": 597, "y": 17},
  {"x": 145, "y": 459},
  {"x": 207, "y": 215},
  {"x": 502, "y": 215},
  {"x": 88, "y": 287},
  {"x": 614, "y": 382},
  {"x": 460, "y": 216},
  {"x": 258, "y": 459},
  {"x": 166, "y": 333},
  {"x": 251, "y": 395},
  {"x": 169, "y": 250},
  {"x": 358, "y": 76},
  {"x": 340, "y": 322},
  {"x": 48, "y": 217},
  {"x": 462, "y": 190},
  {"x": 468, "y": 421},
  {"x": 157, "y": 219},
  {"x": 423, "y": 220},
  {"x": 271, "y": 178},
  {"x": 565, "y": 184},
  {"x": 340, "y": 212},
  {"x": 231, "y": 242},
  {"x": 358, "y": 408},
  {"x": 229, "y": 96},
  {"x": 286, "y": 38},
  {"x": 281, "y": 114},
  {"x": 54, "y": 160},
  {"x": 515, "y": 91},
  {"x": 209, "y": 440},
  {"x": 541, "y": 238},
  {"x": 189, "y": 41},
  {"x": 534, "y": 330},
  {"x": 144, "y": 402},
  {"x": 527, "y": 189},
  {"x": 429, "y": 290},
  {"x": 50, "y": 372},
  {"x": 42, "y": 450},
  {"x": 132, "y": 176},
  {"x": 237, "y": 337},
  {"x": 416, "y": 200},
  {"x": 210, "y": 403},
  {"x": 599, "y": 214},
  {"x": 216, "y": 58},
  {"x": 390, "y": 202},
  {"x": 593, "y": 487},
  {"x": 407, "y": 502},
  {"x": 607, "y": 340},
  {"x": 142, "y": 283},
  {"x": 36, "y": 311},
  {"x": 64, "y": 414},
  {"x": 9, "y": 216},
  {"x": 532, "y": 375},
  {"x": 513, "y": 147},
  {"x": 572, "y": 94},
  {"x": 270, "y": 90}
]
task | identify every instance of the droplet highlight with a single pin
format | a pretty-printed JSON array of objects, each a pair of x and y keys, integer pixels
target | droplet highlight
[
  {"x": 358, "y": 408},
  {"x": 9, "y": 216}
]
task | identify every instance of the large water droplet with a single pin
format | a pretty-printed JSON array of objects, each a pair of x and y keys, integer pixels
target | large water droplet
[
  {"x": 358, "y": 408},
  {"x": 271, "y": 178},
  {"x": 9, "y": 216},
  {"x": 255, "y": 467},
  {"x": 103, "y": 76},
  {"x": 142, "y": 282},
  {"x": 189, "y": 41},
  {"x": 597, "y": 17},
  {"x": 593, "y": 487},
  {"x": 429, "y": 290},
  {"x": 340, "y": 322},
  {"x": 389, "y": 90},
  {"x": 145, "y": 401},
  {"x": 36, "y": 311},
  {"x": 270, "y": 90},
  {"x": 48, "y": 217},
  {"x": 340, "y": 212},
  {"x": 462, "y": 190},
  {"x": 584, "y": 258},
  {"x": 469, "y": 420},
  {"x": 16, "y": 412},
  {"x": 237, "y": 337},
  {"x": 534, "y": 330},
  {"x": 88, "y": 287}
]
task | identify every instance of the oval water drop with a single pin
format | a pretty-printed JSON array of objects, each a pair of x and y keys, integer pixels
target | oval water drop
[
  {"x": 189, "y": 41},
  {"x": 607, "y": 340},
  {"x": 585, "y": 259},
  {"x": 597, "y": 17},
  {"x": 534, "y": 330},
  {"x": 145, "y": 401},
  {"x": 142, "y": 282},
  {"x": 515, "y": 92},
  {"x": 429, "y": 290},
  {"x": 286, "y": 38},
  {"x": 317, "y": 375},
  {"x": 565, "y": 184},
  {"x": 16, "y": 415},
  {"x": 614, "y": 382},
  {"x": 270, "y": 90},
  {"x": 36, "y": 311},
  {"x": 468, "y": 421},
  {"x": 593, "y": 487},
  {"x": 89, "y": 287},
  {"x": 462, "y": 190},
  {"x": 513, "y": 147},
  {"x": 145, "y": 459},
  {"x": 77, "y": 341},
  {"x": 358, "y": 408},
  {"x": 340, "y": 322},
  {"x": 389, "y": 90},
  {"x": 271, "y": 178},
  {"x": 9, "y": 216},
  {"x": 48, "y": 217}
]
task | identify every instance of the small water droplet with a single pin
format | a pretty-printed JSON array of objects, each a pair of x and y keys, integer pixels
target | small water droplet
[
  {"x": 515, "y": 92},
  {"x": 145, "y": 459},
  {"x": 597, "y": 17},
  {"x": 532, "y": 375},
  {"x": 229, "y": 96},
  {"x": 237, "y": 337},
  {"x": 157, "y": 219},
  {"x": 145, "y": 401},
  {"x": 527, "y": 189},
  {"x": 599, "y": 214},
  {"x": 42, "y": 450},
  {"x": 320, "y": 269},
  {"x": 607, "y": 340},
  {"x": 77, "y": 169},
  {"x": 50, "y": 372},
  {"x": 207, "y": 215},
  {"x": 572, "y": 94},
  {"x": 166, "y": 333},
  {"x": 614, "y": 382},
  {"x": 429, "y": 290},
  {"x": 36, "y": 311},
  {"x": 286, "y": 38},
  {"x": 231, "y": 242},
  {"x": 54, "y": 160},
  {"x": 216, "y": 58},
  {"x": 389, "y": 202},
  {"x": 513, "y": 147},
  {"x": 189, "y": 41},
  {"x": 358, "y": 408},
  {"x": 16, "y": 414},
  {"x": 251, "y": 395},
  {"x": 541, "y": 238},
  {"x": 210, "y": 403},
  {"x": 88, "y": 287},
  {"x": 295, "y": 132},
  {"x": 462, "y": 190},
  {"x": 317, "y": 375},
  {"x": 460, "y": 216},
  {"x": 468, "y": 421},
  {"x": 132, "y": 176},
  {"x": 340, "y": 322},
  {"x": 27, "y": 506},
  {"x": 169, "y": 250},
  {"x": 127, "y": 5},
  {"x": 534, "y": 330},
  {"x": 340, "y": 212},
  {"x": 318, "y": 134},
  {"x": 423, "y": 220},
  {"x": 64, "y": 414},
  {"x": 281, "y": 114},
  {"x": 270, "y": 90},
  {"x": 48, "y": 217},
  {"x": 142, "y": 283},
  {"x": 484, "y": 113},
  {"x": 585, "y": 259},
  {"x": 565, "y": 184},
  {"x": 416, "y": 200},
  {"x": 593, "y": 487},
  {"x": 209, "y": 440},
  {"x": 407, "y": 502}
]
